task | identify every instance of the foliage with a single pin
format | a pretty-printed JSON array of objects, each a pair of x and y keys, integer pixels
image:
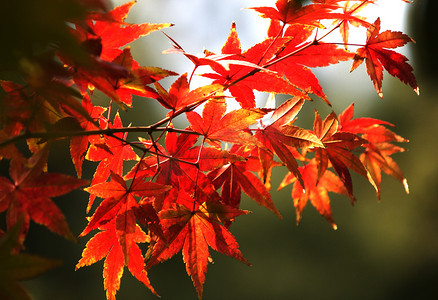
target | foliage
[{"x": 184, "y": 189}]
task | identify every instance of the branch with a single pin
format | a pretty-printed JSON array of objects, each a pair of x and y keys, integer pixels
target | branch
[
  {"x": 272, "y": 62},
  {"x": 71, "y": 133}
]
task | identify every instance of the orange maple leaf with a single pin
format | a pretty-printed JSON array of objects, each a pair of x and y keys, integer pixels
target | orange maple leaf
[
  {"x": 378, "y": 147},
  {"x": 337, "y": 149},
  {"x": 105, "y": 244},
  {"x": 315, "y": 191},
  {"x": 282, "y": 138}
]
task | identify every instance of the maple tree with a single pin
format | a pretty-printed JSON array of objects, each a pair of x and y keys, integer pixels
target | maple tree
[{"x": 184, "y": 186}]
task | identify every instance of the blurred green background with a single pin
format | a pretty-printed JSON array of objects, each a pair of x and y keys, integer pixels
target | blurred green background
[{"x": 386, "y": 250}]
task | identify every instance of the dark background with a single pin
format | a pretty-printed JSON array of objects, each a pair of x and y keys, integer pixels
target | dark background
[{"x": 386, "y": 250}]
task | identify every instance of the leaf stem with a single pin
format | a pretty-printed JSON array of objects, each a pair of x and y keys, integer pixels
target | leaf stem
[{"x": 197, "y": 173}]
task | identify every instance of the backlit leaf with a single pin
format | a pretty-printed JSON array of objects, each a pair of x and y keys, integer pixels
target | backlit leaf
[{"x": 377, "y": 57}]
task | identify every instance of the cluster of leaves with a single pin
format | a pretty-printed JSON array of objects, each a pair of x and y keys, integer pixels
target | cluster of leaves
[{"x": 184, "y": 189}]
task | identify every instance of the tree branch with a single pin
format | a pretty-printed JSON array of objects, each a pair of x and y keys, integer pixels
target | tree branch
[{"x": 71, "y": 133}]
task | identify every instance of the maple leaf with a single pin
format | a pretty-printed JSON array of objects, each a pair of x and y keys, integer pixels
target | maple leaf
[
  {"x": 106, "y": 244},
  {"x": 315, "y": 190},
  {"x": 282, "y": 138},
  {"x": 29, "y": 192},
  {"x": 16, "y": 110},
  {"x": 120, "y": 78},
  {"x": 207, "y": 159},
  {"x": 110, "y": 151},
  {"x": 116, "y": 216},
  {"x": 193, "y": 231},
  {"x": 241, "y": 80},
  {"x": 378, "y": 148},
  {"x": 237, "y": 176},
  {"x": 109, "y": 68},
  {"x": 338, "y": 150},
  {"x": 292, "y": 12},
  {"x": 112, "y": 32},
  {"x": 178, "y": 168},
  {"x": 377, "y": 57},
  {"x": 353, "y": 20},
  {"x": 215, "y": 61},
  {"x": 119, "y": 201},
  {"x": 179, "y": 95},
  {"x": 133, "y": 82},
  {"x": 15, "y": 267},
  {"x": 24, "y": 109},
  {"x": 172, "y": 167},
  {"x": 102, "y": 75},
  {"x": 180, "y": 164},
  {"x": 306, "y": 54},
  {"x": 9, "y": 151},
  {"x": 217, "y": 125},
  {"x": 79, "y": 144}
]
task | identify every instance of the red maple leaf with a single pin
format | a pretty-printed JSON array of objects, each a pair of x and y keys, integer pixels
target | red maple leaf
[
  {"x": 110, "y": 152},
  {"x": 109, "y": 68},
  {"x": 220, "y": 62},
  {"x": 238, "y": 176},
  {"x": 120, "y": 203},
  {"x": 181, "y": 166},
  {"x": 217, "y": 125},
  {"x": 377, "y": 57},
  {"x": 35, "y": 110},
  {"x": 29, "y": 191},
  {"x": 282, "y": 138},
  {"x": 110, "y": 31},
  {"x": 193, "y": 231},
  {"x": 292, "y": 12},
  {"x": 306, "y": 54},
  {"x": 16, "y": 108},
  {"x": 241, "y": 80},
  {"x": 180, "y": 96},
  {"x": 171, "y": 164},
  {"x": 122, "y": 88},
  {"x": 79, "y": 144},
  {"x": 120, "y": 78}
]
